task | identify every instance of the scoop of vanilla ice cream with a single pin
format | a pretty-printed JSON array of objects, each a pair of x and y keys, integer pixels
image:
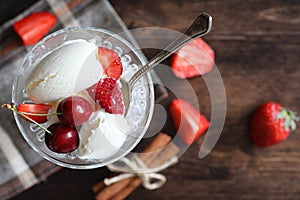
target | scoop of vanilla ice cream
[
  {"x": 67, "y": 70},
  {"x": 102, "y": 136}
]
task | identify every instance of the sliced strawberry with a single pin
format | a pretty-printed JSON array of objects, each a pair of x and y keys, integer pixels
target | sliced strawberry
[
  {"x": 28, "y": 109},
  {"x": 34, "y": 27},
  {"x": 194, "y": 59},
  {"x": 108, "y": 95},
  {"x": 189, "y": 123},
  {"x": 110, "y": 62}
]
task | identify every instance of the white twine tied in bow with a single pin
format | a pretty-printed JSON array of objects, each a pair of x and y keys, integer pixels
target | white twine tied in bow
[{"x": 151, "y": 180}]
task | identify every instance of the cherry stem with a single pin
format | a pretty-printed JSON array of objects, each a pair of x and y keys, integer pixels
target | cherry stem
[
  {"x": 41, "y": 114},
  {"x": 12, "y": 107}
]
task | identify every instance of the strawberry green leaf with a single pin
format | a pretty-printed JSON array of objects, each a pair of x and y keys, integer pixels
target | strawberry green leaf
[{"x": 289, "y": 117}]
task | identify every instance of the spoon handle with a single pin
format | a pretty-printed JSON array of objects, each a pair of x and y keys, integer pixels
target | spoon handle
[{"x": 200, "y": 27}]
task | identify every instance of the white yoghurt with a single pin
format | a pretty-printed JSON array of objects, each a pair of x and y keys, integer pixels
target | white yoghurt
[
  {"x": 102, "y": 136},
  {"x": 67, "y": 70}
]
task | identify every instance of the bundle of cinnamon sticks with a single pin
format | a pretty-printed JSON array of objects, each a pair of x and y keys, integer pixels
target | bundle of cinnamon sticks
[{"x": 151, "y": 156}]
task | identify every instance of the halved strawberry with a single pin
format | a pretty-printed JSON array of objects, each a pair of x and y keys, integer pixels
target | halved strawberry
[
  {"x": 33, "y": 27},
  {"x": 194, "y": 59},
  {"x": 108, "y": 95},
  {"x": 110, "y": 62},
  {"x": 188, "y": 121},
  {"x": 28, "y": 109}
]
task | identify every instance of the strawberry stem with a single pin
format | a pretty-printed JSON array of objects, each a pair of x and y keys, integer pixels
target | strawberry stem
[
  {"x": 290, "y": 118},
  {"x": 13, "y": 107}
]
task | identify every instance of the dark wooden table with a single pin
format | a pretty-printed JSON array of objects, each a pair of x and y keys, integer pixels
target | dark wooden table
[{"x": 257, "y": 48}]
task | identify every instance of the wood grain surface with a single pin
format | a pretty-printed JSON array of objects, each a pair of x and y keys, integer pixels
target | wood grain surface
[{"x": 257, "y": 46}]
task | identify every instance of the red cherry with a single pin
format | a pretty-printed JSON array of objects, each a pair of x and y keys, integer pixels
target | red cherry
[
  {"x": 64, "y": 139},
  {"x": 74, "y": 110}
]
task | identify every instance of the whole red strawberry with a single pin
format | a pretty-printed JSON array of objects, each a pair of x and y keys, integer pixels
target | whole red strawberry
[{"x": 271, "y": 124}]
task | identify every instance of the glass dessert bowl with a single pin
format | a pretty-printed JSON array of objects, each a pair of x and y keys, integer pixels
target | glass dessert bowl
[{"x": 70, "y": 72}]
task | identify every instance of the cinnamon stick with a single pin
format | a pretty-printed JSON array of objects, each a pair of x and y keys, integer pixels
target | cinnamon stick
[
  {"x": 135, "y": 182},
  {"x": 157, "y": 143},
  {"x": 113, "y": 189},
  {"x": 151, "y": 157},
  {"x": 151, "y": 152},
  {"x": 100, "y": 185},
  {"x": 161, "y": 158}
]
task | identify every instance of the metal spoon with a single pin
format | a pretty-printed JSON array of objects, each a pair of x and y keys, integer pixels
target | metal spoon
[{"x": 200, "y": 27}]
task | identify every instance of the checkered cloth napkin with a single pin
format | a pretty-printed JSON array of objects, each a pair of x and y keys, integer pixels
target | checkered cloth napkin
[{"x": 20, "y": 166}]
